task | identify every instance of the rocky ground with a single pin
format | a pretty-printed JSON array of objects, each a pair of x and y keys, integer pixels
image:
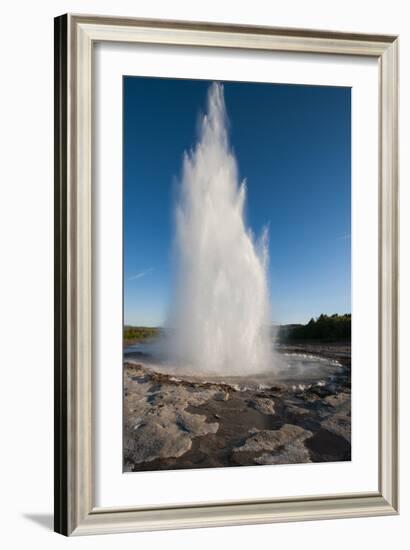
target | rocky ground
[{"x": 171, "y": 423}]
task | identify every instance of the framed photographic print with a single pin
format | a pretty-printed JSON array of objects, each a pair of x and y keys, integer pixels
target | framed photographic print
[{"x": 226, "y": 244}]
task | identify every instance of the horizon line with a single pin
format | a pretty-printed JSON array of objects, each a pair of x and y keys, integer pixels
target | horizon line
[{"x": 273, "y": 324}]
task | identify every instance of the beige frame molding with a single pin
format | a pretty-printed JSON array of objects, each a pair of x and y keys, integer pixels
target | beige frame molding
[{"x": 74, "y": 510}]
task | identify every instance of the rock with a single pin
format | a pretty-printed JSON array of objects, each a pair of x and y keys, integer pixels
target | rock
[
  {"x": 254, "y": 425},
  {"x": 294, "y": 454},
  {"x": 321, "y": 391},
  {"x": 302, "y": 417},
  {"x": 339, "y": 401},
  {"x": 221, "y": 396},
  {"x": 283, "y": 446},
  {"x": 156, "y": 441},
  {"x": 339, "y": 424},
  {"x": 165, "y": 434},
  {"x": 158, "y": 424},
  {"x": 327, "y": 446},
  {"x": 264, "y": 405},
  {"x": 338, "y": 420}
]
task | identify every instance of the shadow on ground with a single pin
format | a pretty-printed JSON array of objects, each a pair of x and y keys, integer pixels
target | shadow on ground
[{"x": 44, "y": 520}]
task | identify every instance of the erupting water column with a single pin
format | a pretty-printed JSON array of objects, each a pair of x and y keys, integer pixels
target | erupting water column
[{"x": 219, "y": 316}]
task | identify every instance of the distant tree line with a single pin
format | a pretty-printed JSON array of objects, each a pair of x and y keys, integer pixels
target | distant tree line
[
  {"x": 134, "y": 334},
  {"x": 326, "y": 328}
]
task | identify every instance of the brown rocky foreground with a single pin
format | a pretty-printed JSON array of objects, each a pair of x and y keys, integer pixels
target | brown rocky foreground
[{"x": 170, "y": 423}]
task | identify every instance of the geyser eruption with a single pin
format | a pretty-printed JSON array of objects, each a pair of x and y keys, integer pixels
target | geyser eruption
[{"x": 219, "y": 319}]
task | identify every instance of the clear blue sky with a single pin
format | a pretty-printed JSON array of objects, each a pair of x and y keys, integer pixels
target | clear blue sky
[{"x": 293, "y": 146}]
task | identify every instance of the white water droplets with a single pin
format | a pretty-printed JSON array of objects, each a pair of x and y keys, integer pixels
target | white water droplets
[{"x": 219, "y": 315}]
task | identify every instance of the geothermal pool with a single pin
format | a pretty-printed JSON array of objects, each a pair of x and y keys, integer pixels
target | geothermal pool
[{"x": 287, "y": 368}]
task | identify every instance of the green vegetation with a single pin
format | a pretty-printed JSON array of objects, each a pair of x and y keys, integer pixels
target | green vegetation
[
  {"x": 325, "y": 328},
  {"x": 136, "y": 334}
]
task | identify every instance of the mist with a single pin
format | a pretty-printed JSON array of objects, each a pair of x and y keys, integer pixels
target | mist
[{"x": 219, "y": 314}]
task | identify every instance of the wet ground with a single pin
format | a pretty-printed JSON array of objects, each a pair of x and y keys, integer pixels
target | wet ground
[{"x": 172, "y": 422}]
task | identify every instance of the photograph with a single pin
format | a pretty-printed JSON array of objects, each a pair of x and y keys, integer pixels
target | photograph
[
  {"x": 226, "y": 273},
  {"x": 236, "y": 274}
]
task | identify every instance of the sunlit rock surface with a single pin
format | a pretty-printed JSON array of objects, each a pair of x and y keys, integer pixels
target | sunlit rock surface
[
  {"x": 173, "y": 422},
  {"x": 283, "y": 446}
]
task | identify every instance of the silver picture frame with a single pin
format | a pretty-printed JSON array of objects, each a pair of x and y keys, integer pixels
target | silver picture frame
[{"x": 75, "y": 513}]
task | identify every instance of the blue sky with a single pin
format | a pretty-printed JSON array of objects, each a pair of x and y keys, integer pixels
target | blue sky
[{"x": 293, "y": 146}]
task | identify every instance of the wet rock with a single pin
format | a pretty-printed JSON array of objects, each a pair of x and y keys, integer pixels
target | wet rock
[
  {"x": 128, "y": 467},
  {"x": 301, "y": 417},
  {"x": 283, "y": 446},
  {"x": 264, "y": 405},
  {"x": 157, "y": 424},
  {"x": 326, "y": 446},
  {"x": 165, "y": 434},
  {"x": 338, "y": 420},
  {"x": 221, "y": 396},
  {"x": 172, "y": 422},
  {"x": 321, "y": 391},
  {"x": 156, "y": 441},
  {"x": 293, "y": 454},
  {"x": 338, "y": 424},
  {"x": 339, "y": 400}
]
